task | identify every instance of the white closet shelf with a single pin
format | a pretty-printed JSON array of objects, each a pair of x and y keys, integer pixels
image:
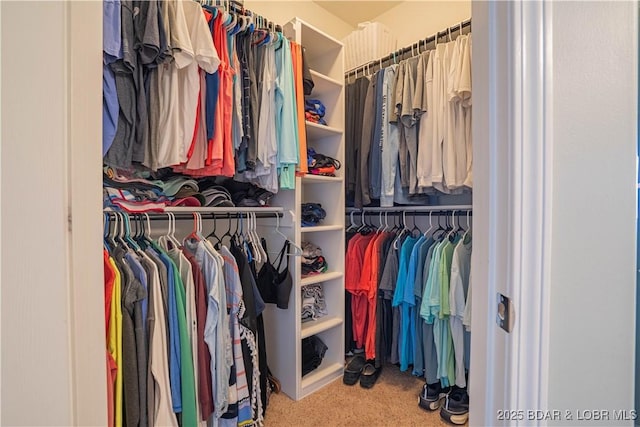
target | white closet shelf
[
  {"x": 313, "y": 179},
  {"x": 313, "y": 327},
  {"x": 317, "y": 42},
  {"x": 323, "y": 372},
  {"x": 320, "y": 228},
  {"x": 316, "y": 131},
  {"x": 323, "y": 84},
  {"x": 224, "y": 210},
  {"x": 319, "y": 278}
]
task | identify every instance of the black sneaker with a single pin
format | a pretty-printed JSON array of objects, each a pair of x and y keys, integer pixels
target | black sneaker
[
  {"x": 456, "y": 407},
  {"x": 432, "y": 396}
]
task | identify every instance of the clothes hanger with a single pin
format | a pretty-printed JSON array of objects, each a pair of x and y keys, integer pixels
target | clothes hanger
[
  {"x": 430, "y": 224},
  {"x": 251, "y": 235},
  {"x": 464, "y": 236},
  {"x": 120, "y": 236},
  {"x": 256, "y": 238},
  {"x": 404, "y": 230},
  {"x": 196, "y": 232},
  {"x": 105, "y": 231},
  {"x": 297, "y": 249},
  {"x": 127, "y": 235},
  {"x": 453, "y": 228},
  {"x": 415, "y": 225}
]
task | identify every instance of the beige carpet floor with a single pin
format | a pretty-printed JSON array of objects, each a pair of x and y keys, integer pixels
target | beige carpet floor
[{"x": 393, "y": 401}]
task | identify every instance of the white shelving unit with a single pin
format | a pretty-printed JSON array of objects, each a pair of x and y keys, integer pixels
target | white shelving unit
[{"x": 284, "y": 328}]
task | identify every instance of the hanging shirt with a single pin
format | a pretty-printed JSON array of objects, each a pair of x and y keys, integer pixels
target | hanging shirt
[
  {"x": 126, "y": 78},
  {"x": 216, "y": 331},
  {"x": 109, "y": 282},
  {"x": 115, "y": 340},
  {"x": 205, "y": 57},
  {"x": 169, "y": 148},
  {"x": 459, "y": 286},
  {"x": 204, "y": 357},
  {"x": 159, "y": 388},
  {"x": 236, "y": 306},
  {"x": 112, "y": 51},
  {"x": 286, "y": 117},
  {"x": 186, "y": 275},
  {"x": 390, "y": 141},
  {"x": 405, "y": 348}
]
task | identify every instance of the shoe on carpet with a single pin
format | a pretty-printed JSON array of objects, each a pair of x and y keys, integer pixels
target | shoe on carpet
[
  {"x": 369, "y": 375},
  {"x": 456, "y": 407},
  {"x": 353, "y": 370},
  {"x": 432, "y": 396}
]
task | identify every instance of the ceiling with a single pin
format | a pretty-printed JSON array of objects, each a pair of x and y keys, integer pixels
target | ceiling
[{"x": 356, "y": 11}]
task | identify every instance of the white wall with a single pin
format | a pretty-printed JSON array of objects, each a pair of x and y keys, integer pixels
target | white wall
[
  {"x": 281, "y": 12},
  {"x": 594, "y": 177},
  {"x": 411, "y": 21},
  {"x": 53, "y": 355},
  {"x": 35, "y": 302}
]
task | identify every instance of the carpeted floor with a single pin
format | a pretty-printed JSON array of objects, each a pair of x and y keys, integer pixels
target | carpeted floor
[{"x": 393, "y": 401}]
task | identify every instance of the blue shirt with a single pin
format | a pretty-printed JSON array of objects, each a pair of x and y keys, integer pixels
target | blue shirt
[
  {"x": 112, "y": 51},
  {"x": 174, "y": 334},
  {"x": 405, "y": 348}
]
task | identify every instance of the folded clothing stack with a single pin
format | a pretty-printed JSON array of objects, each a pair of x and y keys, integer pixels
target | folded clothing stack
[
  {"x": 312, "y": 214},
  {"x": 136, "y": 191},
  {"x": 314, "y": 305},
  {"x": 312, "y": 260},
  {"x": 314, "y": 111},
  {"x": 313, "y": 351},
  {"x": 319, "y": 164}
]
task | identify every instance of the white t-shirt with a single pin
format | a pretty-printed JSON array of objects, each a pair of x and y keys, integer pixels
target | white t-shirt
[
  {"x": 205, "y": 57},
  {"x": 170, "y": 144}
]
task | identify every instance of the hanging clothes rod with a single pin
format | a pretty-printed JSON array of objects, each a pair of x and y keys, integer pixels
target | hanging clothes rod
[
  {"x": 237, "y": 6},
  {"x": 417, "y": 209},
  {"x": 414, "y": 47},
  {"x": 207, "y": 213}
]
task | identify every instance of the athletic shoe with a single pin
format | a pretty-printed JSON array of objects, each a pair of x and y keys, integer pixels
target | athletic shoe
[
  {"x": 456, "y": 407},
  {"x": 432, "y": 396}
]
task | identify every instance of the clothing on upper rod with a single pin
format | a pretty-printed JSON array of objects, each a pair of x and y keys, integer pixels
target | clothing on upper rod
[
  {"x": 408, "y": 129},
  {"x": 413, "y": 49},
  {"x": 193, "y": 87}
]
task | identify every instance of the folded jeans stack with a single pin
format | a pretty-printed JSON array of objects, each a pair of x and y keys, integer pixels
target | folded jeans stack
[
  {"x": 312, "y": 260},
  {"x": 314, "y": 305},
  {"x": 312, "y": 214}
]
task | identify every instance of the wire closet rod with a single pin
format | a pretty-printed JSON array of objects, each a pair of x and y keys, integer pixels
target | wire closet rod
[{"x": 410, "y": 48}]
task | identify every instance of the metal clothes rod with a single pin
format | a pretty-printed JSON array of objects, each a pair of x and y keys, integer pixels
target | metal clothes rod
[
  {"x": 417, "y": 209},
  {"x": 237, "y": 6},
  {"x": 415, "y": 46},
  {"x": 188, "y": 215}
]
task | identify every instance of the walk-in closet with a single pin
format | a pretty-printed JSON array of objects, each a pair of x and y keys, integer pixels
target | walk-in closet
[{"x": 317, "y": 213}]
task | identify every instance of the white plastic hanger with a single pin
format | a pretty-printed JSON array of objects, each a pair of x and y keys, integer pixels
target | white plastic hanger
[
  {"x": 430, "y": 225},
  {"x": 464, "y": 236},
  {"x": 453, "y": 222},
  {"x": 297, "y": 249}
]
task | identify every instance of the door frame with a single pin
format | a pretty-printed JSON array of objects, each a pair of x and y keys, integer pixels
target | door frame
[{"x": 513, "y": 149}]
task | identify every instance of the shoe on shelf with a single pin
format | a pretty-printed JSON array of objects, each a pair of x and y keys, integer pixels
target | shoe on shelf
[
  {"x": 456, "y": 407},
  {"x": 432, "y": 396},
  {"x": 353, "y": 370},
  {"x": 369, "y": 375}
]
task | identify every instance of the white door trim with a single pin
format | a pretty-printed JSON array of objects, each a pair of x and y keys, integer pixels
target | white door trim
[
  {"x": 531, "y": 175},
  {"x": 512, "y": 207}
]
